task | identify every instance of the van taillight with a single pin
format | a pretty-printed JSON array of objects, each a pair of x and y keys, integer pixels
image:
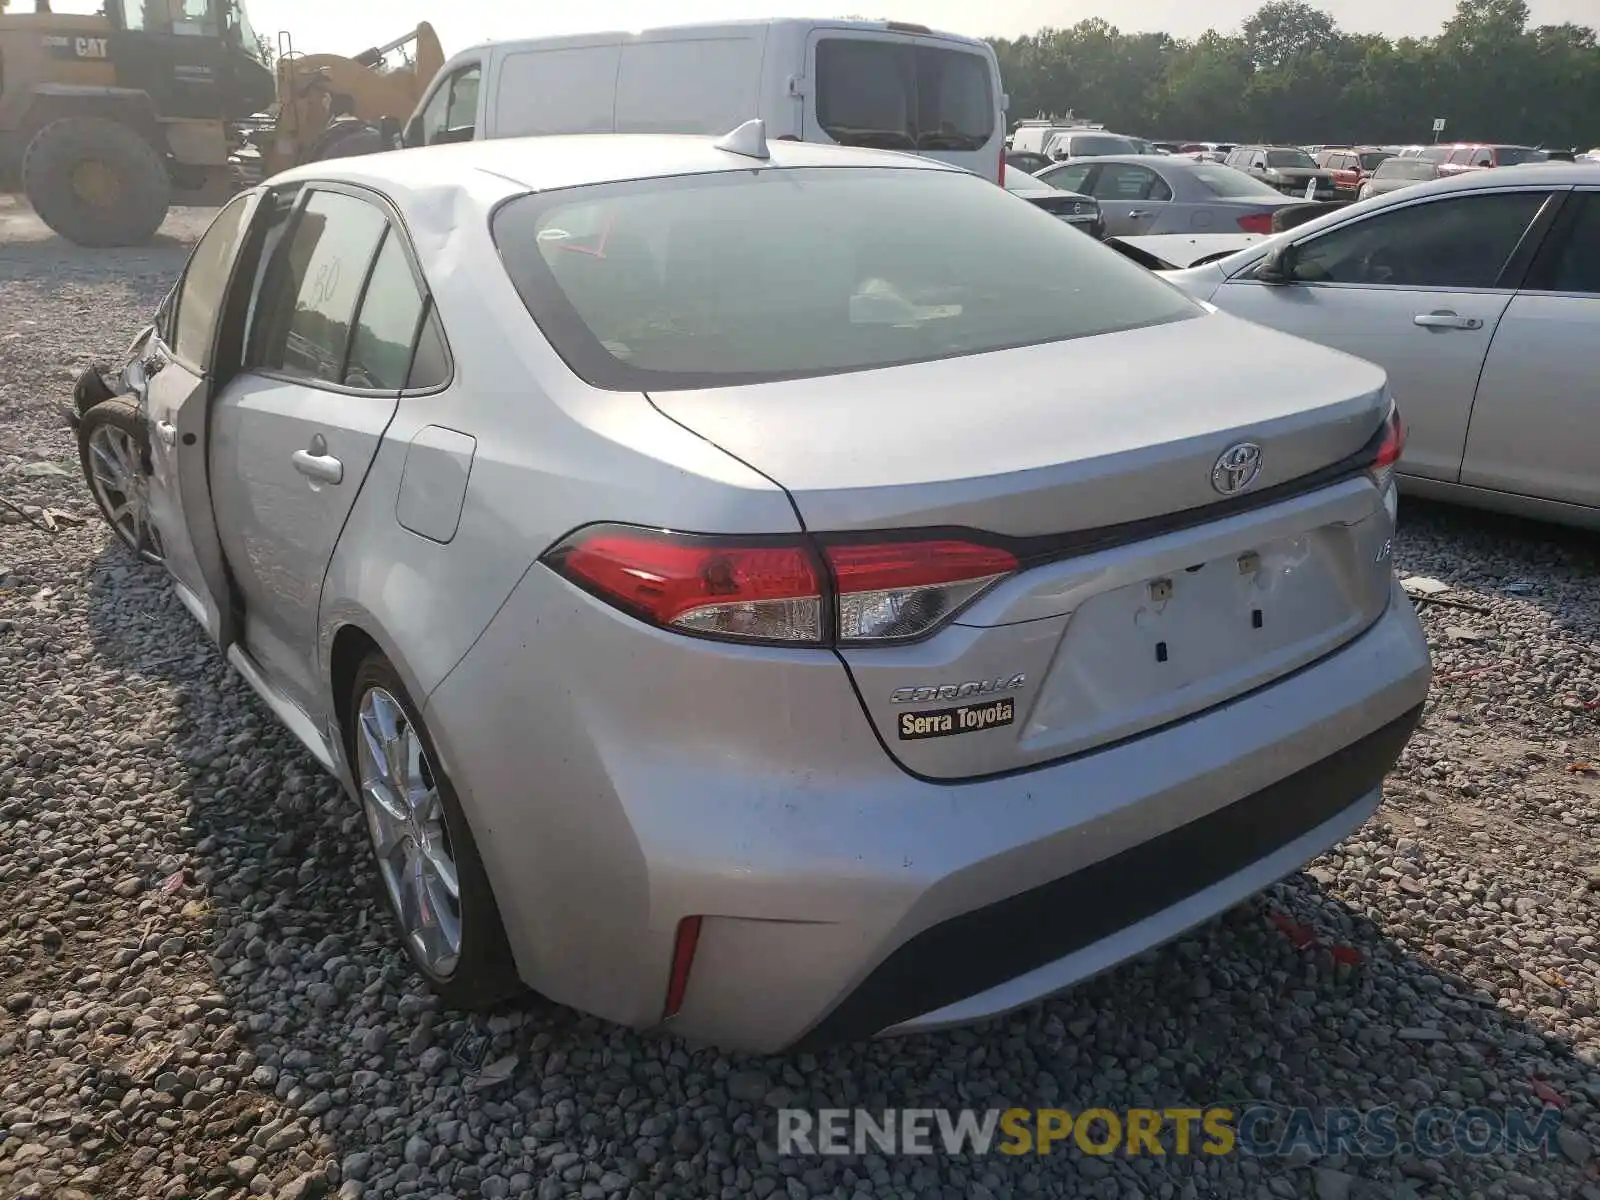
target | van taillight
[
  {"x": 782, "y": 589},
  {"x": 1000, "y": 178}
]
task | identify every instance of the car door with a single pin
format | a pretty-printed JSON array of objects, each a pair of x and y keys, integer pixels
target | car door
[
  {"x": 171, "y": 377},
  {"x": 1132, "y": 198},
  {"x": 293, "y": 434},
  {"x": 1534, "y": 422},
  {"x": 1417, "y": 288}
]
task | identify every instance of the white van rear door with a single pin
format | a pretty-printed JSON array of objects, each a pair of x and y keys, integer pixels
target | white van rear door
[
  {"x": 896, "y": 91},
  {"x": 566, "y": 88}
]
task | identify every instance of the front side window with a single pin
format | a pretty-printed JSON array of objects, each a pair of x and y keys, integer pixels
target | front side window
[
  {"x": 313, "y": 286},
  {"x": 204, "y": 280},
  {"x": 1461, "y": 242},
  {"x": 898, "y": 95},
  {"x": 452, "y": 111},
  {"x": 740, "y": 277}
]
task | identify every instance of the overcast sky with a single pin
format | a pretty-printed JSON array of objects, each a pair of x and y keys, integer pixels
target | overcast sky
[{"x": 342, "y": 27}]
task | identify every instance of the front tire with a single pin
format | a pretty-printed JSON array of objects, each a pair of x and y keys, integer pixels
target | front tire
[
  {"x": 96, "y": 182},
  {"x": 111, "y": 453},
  {"x": 427, "y": 860}
]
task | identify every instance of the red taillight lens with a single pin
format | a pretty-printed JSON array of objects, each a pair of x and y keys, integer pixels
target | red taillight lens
[
  {"x": 894, "y": 590},
  {"x": 1256, "y": 223},
  {"x": 1390, "y": 448},
  {"x": 775, "y": 589},
  {"x": 747, "y": 590},
  {"x": 1001, "y": 180},
  {"x": 683, "y": 948}
]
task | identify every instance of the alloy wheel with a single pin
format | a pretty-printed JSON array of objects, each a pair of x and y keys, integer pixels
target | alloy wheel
[
  {"x": 123, "y": 490},
  {"x": 405, "y": 817}
]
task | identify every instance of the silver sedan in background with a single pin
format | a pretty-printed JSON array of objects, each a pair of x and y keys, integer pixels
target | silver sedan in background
[
  {"x": 1142, "y": 193},
  {"x": 743, "y": 608}
]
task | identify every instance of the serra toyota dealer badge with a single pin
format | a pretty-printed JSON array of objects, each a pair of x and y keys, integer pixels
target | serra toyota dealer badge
[{"x": 947, "y": 722}]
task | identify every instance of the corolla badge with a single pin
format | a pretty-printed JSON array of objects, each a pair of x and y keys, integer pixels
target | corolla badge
[{"x": 1237, "y": 468}]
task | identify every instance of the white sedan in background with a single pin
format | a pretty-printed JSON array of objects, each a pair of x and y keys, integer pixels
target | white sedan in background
[{"x": 1480, "y": 296}]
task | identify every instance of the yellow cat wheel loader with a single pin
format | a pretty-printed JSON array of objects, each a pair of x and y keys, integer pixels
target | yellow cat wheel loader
[
  {"x": 110, "y": 110},
  {"x": 113, "y": 110}
]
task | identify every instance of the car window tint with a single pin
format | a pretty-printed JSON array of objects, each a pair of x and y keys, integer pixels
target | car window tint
[
  {"x": 315, "y": 285},
  {"x": 1459, "y": 242},
  {"x": 701, "y": 280},
  {"x": 380, "y": 348},
  {"x": 1578, "y": 268},
  {"x": 200, "y": 294},
  {"x": 899, "y": 96},
  {"x": 430, "y": 365},
  {"x": 1069, "y": 178},
  {"x": 1122, "y": 181}
]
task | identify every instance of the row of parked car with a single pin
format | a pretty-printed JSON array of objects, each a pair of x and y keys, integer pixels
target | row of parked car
[{"x": 614, "y": 516}]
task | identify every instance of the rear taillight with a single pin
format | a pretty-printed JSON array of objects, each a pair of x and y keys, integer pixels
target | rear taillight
[
  {"x": 782, "y": 589},
  {"x": 1390, "y": 447},
  {"x": 754, "y": 590},
  {"x": 1001, "y": 177},
  {"x": 1256, "y": 223},
  {"x": 893, "y": 590}
]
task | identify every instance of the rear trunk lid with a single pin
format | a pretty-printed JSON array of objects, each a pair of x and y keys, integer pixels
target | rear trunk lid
[{"x": 1146, "y": 594}]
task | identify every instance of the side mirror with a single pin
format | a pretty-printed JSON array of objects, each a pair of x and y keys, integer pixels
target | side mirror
[{"x": 1278, "y": 267}]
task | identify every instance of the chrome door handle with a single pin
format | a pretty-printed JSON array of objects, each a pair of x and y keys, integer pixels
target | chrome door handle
[
  {"x": 316, "y": 463},
  {"x": 167, "y": 432},
  {"x": 1446, "y": 320},
  {"x": 1137, "y": 212}
]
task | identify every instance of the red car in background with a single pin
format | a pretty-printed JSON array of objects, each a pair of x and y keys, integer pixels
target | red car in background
[
  {"x": 1477, "y": 156},
  {"x": 1352, "y": 166}
]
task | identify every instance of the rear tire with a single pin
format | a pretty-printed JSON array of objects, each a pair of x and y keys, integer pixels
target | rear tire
[
  {"x": 456, "y": 942},
  {"x": 96, "y": 182}
]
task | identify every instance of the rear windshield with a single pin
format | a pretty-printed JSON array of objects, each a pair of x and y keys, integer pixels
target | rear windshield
[
  {"x": 1229, "y": 183},
  {"x": 1290, "y": 158},
  {"x": 741, "y": 277},
  {"x": 1405, "y": 168},
  {"x": 899, "y": 95},
  {"x": 1079, "y": 145},
  {"x": 1435, "y": 153},
  {"x": 1371, "y": 158},
  {"x": 1510, "y": 156}
]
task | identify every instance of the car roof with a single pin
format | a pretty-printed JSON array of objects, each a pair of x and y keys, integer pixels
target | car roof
[{"x": 544, "y": 163}]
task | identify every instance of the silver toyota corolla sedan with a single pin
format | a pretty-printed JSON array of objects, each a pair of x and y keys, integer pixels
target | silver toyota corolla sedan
[{"x": 741, "y": 607}]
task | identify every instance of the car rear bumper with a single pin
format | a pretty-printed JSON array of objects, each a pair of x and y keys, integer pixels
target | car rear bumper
[{"x": 839, "y": 897}]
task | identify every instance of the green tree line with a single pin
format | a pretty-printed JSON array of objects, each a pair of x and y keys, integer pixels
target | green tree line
[{"x": 1291, "y": 74}]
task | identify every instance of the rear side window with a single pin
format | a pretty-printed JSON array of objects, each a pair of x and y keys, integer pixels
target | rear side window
[
  {"x": 1577, "y": 268},
  {"x": 314, "y": 287},
  {"x": 899, "y": 95},
  {"x": 738, "y": 277},
  {"x": 380, "y": 347}
]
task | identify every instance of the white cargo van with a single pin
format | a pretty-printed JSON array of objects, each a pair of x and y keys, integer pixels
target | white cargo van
[{"x": 857, "y": 83}]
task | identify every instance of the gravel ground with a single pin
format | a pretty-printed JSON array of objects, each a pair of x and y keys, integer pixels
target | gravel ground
[{"x": 199, "y": 996}]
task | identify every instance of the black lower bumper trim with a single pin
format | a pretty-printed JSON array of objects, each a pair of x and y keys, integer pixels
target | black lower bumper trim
[{"x": 984, "y": 948}]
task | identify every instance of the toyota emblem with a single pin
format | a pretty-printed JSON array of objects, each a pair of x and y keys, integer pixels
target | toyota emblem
[{"x": 1237, "y": 468}]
